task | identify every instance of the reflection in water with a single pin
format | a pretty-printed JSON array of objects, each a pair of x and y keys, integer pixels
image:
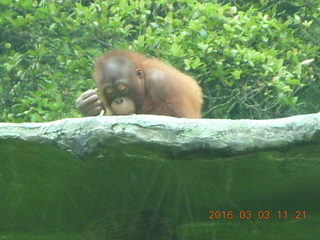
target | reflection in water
[{"x": 134, "y": 226}]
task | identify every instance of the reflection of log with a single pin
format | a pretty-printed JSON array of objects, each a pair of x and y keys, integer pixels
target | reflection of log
[{"x": 145, "y": 225}]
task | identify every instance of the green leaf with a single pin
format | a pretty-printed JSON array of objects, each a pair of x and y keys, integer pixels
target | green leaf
[
  {"x": 307, "y": 62},
  {"x": 237, "y": 74},
  {"x": 175, "y": 49}
]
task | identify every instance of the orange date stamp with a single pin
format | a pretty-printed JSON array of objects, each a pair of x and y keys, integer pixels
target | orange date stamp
[{"x": 215, "y": 215}]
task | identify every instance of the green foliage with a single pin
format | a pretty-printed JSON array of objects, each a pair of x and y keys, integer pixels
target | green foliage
[{"x": 253, "y": 61}]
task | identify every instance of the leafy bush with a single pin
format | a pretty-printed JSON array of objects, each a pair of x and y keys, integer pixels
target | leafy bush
[{"x": 251, "y": 63}]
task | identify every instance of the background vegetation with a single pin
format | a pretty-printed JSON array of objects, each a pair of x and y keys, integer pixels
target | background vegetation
[{"x": 254, "y": 59}]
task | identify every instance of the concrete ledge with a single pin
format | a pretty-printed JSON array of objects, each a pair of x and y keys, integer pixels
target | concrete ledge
[
  {"x": 82, "y": 177},
  {"x": 214, "y": 137}
]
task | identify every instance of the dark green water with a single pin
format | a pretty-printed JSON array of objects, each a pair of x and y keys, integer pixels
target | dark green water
[{"x": 46, "y": 194}]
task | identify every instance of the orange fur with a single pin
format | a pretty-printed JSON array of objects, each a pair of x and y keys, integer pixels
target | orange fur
[{"x": 167, "y": 91}]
